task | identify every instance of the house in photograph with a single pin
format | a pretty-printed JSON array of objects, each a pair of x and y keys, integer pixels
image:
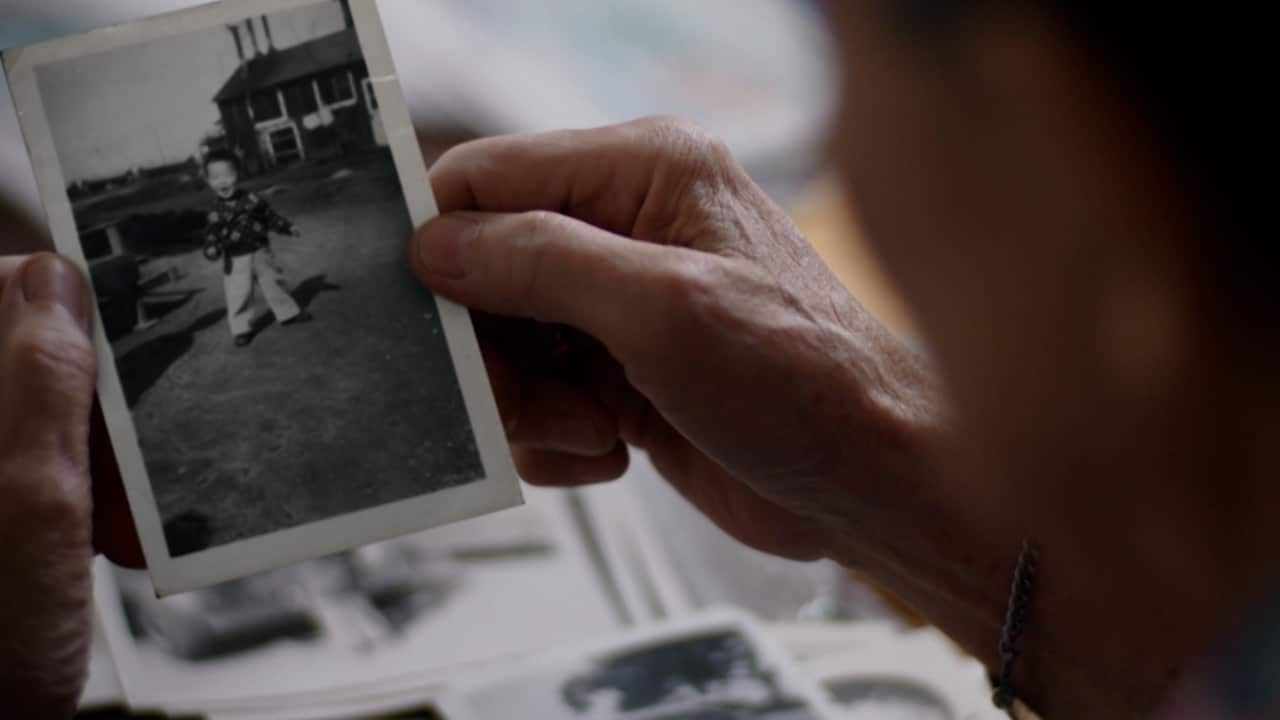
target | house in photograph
[{"x": 310, "y": 101}]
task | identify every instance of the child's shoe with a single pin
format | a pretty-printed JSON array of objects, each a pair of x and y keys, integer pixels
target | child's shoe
[
  {"x": 299, "y": 319},
  {"x": 245, "y": 339}
]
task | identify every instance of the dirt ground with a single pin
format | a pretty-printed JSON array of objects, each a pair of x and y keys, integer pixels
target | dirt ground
[{"x": 358, "y": 408}]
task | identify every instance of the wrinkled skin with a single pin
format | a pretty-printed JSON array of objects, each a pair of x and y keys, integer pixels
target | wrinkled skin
[
  {"x": 719, "y": 343},
  {"x": 633, "y": 287},
  {"x": 47, "y": 373},
  {"x": 51, "y": 518}
]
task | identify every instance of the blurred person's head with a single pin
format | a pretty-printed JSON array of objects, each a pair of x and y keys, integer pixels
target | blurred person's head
[
  {"x": 1050, "y": 184},
  {"x": 222, "y": 172}
]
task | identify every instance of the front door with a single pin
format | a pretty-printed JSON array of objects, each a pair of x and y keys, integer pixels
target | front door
[{"x": 284, "y": 144}]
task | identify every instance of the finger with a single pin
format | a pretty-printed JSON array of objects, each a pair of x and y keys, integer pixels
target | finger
[
  {"x": 549, "y": 469},
  {"x": 547, "y": 414},
  {"x": 46, "y": 387},
  {"x": 113, "y": 530},
  {"x": 114, "y": 533},
  {"x": 9, "y": 265},
  {"x": 555, "y": 269},
  {"x": 733, "y": 506},
  {"x": 609, "y": 177},
  {"x": 556, "y": 417},
  {"x": 47, "y": 364}
]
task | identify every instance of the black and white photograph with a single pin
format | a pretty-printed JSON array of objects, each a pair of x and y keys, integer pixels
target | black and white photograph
[
  {"x": 240, "y": 182},
  {"x": 918, "y": 674},
  {"x": 405, "y": 614},
  {"x": 717, "y": 666}
]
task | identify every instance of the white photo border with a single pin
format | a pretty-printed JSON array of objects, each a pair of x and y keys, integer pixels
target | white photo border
[{"x": 497, "y": 490}]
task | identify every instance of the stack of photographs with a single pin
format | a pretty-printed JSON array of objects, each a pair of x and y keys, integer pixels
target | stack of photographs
[{"x": 383, "y": 626}]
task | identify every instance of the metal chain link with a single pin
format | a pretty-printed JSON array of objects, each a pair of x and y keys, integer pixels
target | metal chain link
[{"x": 1015, "y": 621}]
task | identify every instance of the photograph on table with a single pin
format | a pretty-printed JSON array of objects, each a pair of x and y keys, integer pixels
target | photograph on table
[
  {"x": 713, "y": 666},
  {"x": 374, "y": 623},
  {"x": 240, "y": 182},
  {"x": 917, "y": 673}
]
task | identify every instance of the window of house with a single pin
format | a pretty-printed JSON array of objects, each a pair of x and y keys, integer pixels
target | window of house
[
  {"x": 301, "y": 100},
  {"x": 337, "y": 89},
  {"x": 267, "y": 106}
]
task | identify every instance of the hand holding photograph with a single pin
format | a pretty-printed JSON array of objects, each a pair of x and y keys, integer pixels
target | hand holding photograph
[{"x": 192, "y": 163}]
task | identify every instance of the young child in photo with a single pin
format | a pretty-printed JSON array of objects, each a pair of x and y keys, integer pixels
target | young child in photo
[{"x": 238, "y": 233}]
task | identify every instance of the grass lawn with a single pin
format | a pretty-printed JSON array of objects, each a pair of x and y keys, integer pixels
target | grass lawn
[{"x": 356, "y": 409}]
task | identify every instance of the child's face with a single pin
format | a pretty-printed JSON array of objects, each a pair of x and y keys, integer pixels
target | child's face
[{"x": 223, "y": 178}]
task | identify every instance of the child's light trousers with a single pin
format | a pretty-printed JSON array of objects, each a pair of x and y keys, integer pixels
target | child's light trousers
[{"x": 245, "y": 269}]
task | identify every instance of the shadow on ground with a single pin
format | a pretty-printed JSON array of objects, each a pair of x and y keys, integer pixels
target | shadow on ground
[
  {"x": 142, "y": 366},
  {"x": 187, "y": 533},
  {"x": 304, "y": 294},
  {"x": 307, "y": 290}
]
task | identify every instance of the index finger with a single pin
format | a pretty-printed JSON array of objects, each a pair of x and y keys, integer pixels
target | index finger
[{"x": 615, "y": 178}]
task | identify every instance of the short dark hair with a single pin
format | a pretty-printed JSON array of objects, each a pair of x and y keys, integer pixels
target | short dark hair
[{"x": 221, "y": 156}]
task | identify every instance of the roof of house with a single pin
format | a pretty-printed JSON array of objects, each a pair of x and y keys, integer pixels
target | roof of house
[{"x": 282, "y": 66}]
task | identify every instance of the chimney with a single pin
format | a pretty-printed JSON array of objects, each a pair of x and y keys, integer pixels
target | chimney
[
  {"x": 266, "y": 30},
  {"x": 347, "y": 21},
  {"x": 253, "y": 36},
  {"x": 235, "y": 33}
]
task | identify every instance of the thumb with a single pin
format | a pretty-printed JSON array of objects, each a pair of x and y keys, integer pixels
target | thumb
[
  {"x": 555, "y": 269},
  {"x": 46, "y": 390},
  {"x": 47, "y": 364}
]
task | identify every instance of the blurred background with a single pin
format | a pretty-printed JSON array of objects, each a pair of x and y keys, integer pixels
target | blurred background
[{"x": 758, "y": 73}]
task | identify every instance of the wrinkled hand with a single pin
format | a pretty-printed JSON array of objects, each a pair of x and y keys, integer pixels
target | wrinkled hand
[
  {"x": 637, "y": 288},
  {"x": 47, "y": 373}
]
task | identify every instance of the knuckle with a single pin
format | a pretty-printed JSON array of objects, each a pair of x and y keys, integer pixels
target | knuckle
[
  {"x": 456, "y": 156},
  {"x": 694, "y": 293},
  {"x": 46, "y": 491},
  {"x": 706, "y": 286},
  {"x": 699, "y": 169},
  {"x": 540, "y": 229},
  {"x": 671, "y": 127},
  {"x": 540, "y": 226},
  {"x": 40, "y": 351},
  {"x": 689, "y": 143}
]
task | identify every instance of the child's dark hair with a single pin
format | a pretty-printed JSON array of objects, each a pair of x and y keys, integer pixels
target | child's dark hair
[{"x": 222, "y": 156}]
